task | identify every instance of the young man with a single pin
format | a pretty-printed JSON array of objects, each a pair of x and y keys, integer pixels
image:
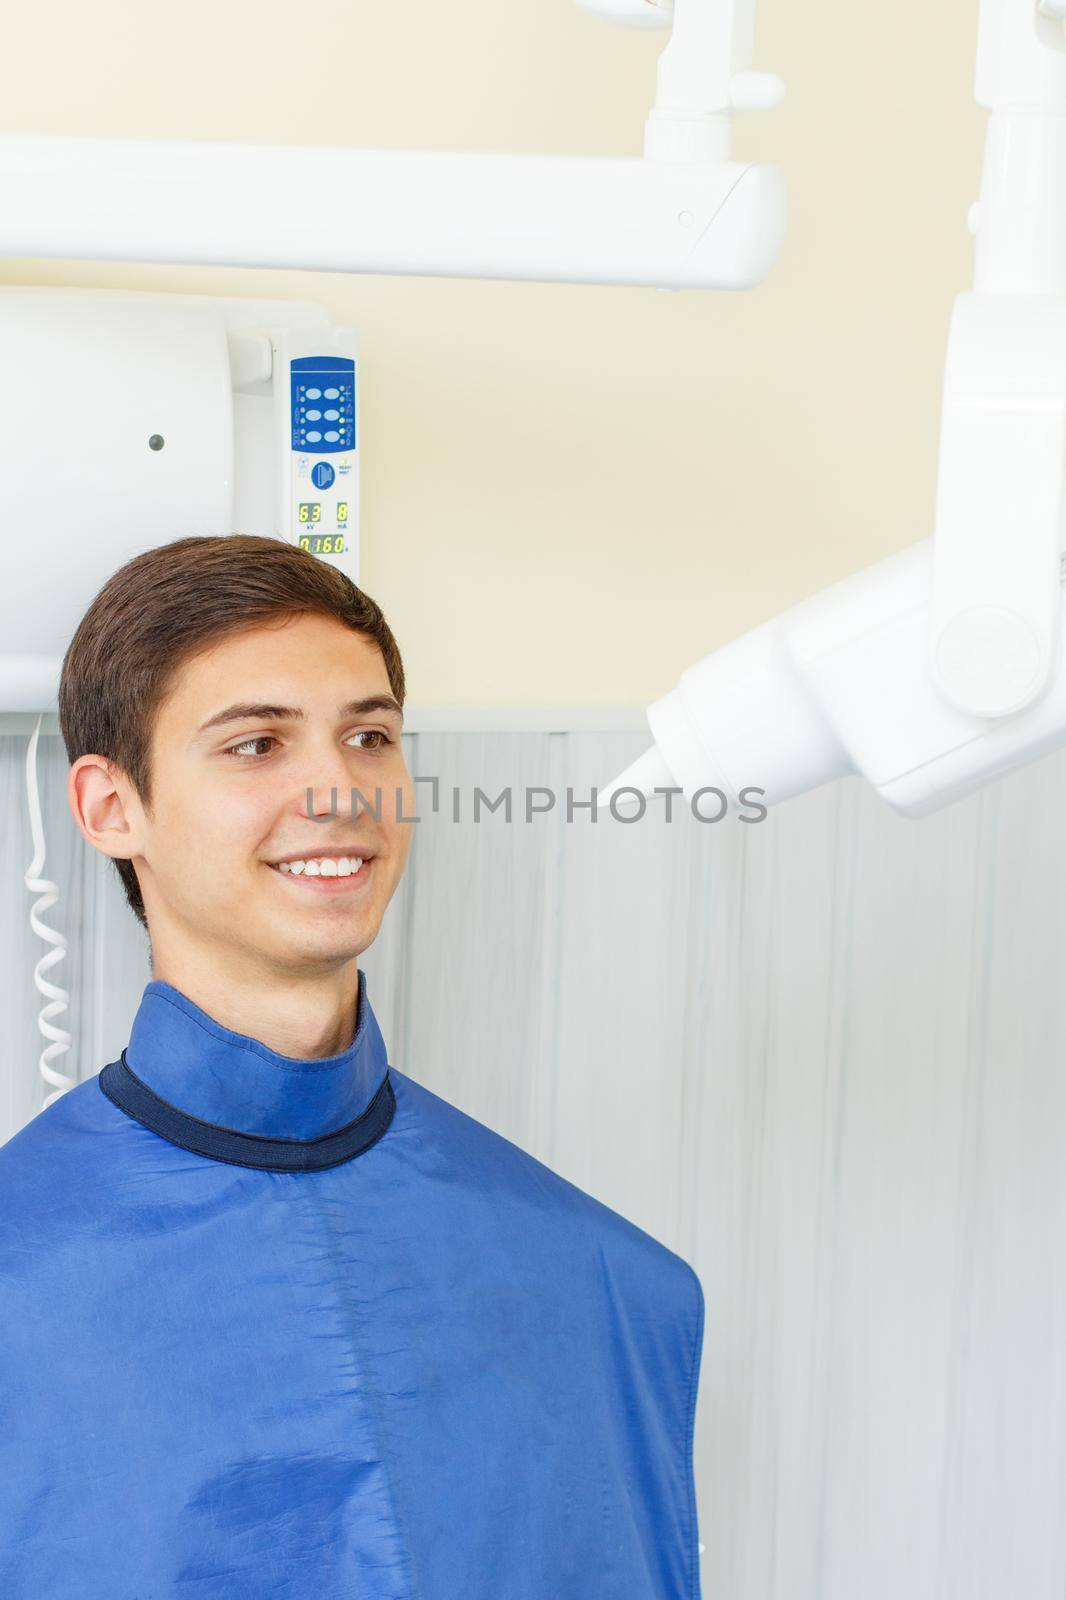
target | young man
[{"x": 274, "y": 1319}]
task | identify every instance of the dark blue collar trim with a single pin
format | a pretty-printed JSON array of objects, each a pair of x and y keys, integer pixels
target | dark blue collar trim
[{"x": 122, "y": 1086}]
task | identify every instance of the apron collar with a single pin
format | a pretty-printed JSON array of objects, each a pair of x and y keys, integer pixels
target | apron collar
[{"x": 228, "y": 1096}]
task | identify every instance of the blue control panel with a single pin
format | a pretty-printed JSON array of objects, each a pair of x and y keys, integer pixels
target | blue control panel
[{"x": 323, "y": 404}]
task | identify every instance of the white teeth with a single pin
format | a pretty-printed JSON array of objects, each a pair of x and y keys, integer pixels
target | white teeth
[{"x": 323, "y": 866}]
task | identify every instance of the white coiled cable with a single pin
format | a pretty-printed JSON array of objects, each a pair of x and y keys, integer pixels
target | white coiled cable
[{"x": 57, "y": 998}]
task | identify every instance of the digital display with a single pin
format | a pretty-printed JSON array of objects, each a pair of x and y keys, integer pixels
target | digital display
[
  {"x": 342, "y": 510},
  {"x": 310, "y": 511},
  {"x": 323, "y": 544}
]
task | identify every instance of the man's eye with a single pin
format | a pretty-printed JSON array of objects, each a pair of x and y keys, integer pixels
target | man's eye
[
  {"x": 259, "y": 738},
  {"x": 246, "y": 751}
]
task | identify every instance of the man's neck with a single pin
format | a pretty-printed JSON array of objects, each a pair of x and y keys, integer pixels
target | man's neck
[{"x": 306, "y": 1017}]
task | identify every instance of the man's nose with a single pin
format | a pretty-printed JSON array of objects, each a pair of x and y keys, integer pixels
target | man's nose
[{"x": 332, "y": 789}]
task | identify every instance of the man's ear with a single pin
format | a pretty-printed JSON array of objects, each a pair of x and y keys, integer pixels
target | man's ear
[{"x": 104, "y": 806}]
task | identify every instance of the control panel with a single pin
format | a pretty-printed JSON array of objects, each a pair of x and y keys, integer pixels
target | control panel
[{"x": 320, "y": 497}]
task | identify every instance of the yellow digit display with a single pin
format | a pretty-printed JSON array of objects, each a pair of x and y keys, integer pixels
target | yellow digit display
[
  {"x": 310, "y": 511},
  {"x": 322, "y": 544},
  {"x": 342, "y": 511}
]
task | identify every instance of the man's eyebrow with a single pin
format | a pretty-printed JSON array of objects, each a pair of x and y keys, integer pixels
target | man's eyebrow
[{"x": 252, "y": 711}]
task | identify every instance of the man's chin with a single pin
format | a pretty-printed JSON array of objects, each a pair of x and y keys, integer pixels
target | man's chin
[{"x": 310, "y": 935}]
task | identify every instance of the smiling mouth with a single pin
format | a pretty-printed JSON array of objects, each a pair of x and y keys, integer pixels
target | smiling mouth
[{"x": 324, "y": 874}]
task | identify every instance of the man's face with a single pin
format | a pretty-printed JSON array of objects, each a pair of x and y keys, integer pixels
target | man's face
[{"x": 250, "y": 725}]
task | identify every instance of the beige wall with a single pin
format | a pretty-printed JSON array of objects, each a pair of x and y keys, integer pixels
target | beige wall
[{"x": 570, "y": 493}]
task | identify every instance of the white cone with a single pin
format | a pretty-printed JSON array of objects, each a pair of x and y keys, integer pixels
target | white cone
[{"x": 647, "y": 773}]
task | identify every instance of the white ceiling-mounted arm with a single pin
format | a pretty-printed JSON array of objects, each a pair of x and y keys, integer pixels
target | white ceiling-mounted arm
[
  {"x": 1001, "y": 493},
  {"x": 689, "y": 219},
  {"x": 552, "y": 219}
]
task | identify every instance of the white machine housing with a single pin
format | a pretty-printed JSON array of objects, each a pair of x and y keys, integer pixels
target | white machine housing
[{"x": 132, "y": 419}]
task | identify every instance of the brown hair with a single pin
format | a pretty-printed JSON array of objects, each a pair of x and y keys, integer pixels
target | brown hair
[{"x": 172, "y": 603}]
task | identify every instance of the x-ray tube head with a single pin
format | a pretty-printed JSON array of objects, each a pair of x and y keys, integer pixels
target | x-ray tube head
[{"x": 838, "y": 685}]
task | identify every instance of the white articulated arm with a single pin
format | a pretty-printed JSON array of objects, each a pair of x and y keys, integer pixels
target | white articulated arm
[
  {"x": 942, "y": 666},
  {"x": 994, "y": 618}
]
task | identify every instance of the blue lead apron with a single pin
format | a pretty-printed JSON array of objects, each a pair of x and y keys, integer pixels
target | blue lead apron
[{"x": 303, "y": 1329}]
